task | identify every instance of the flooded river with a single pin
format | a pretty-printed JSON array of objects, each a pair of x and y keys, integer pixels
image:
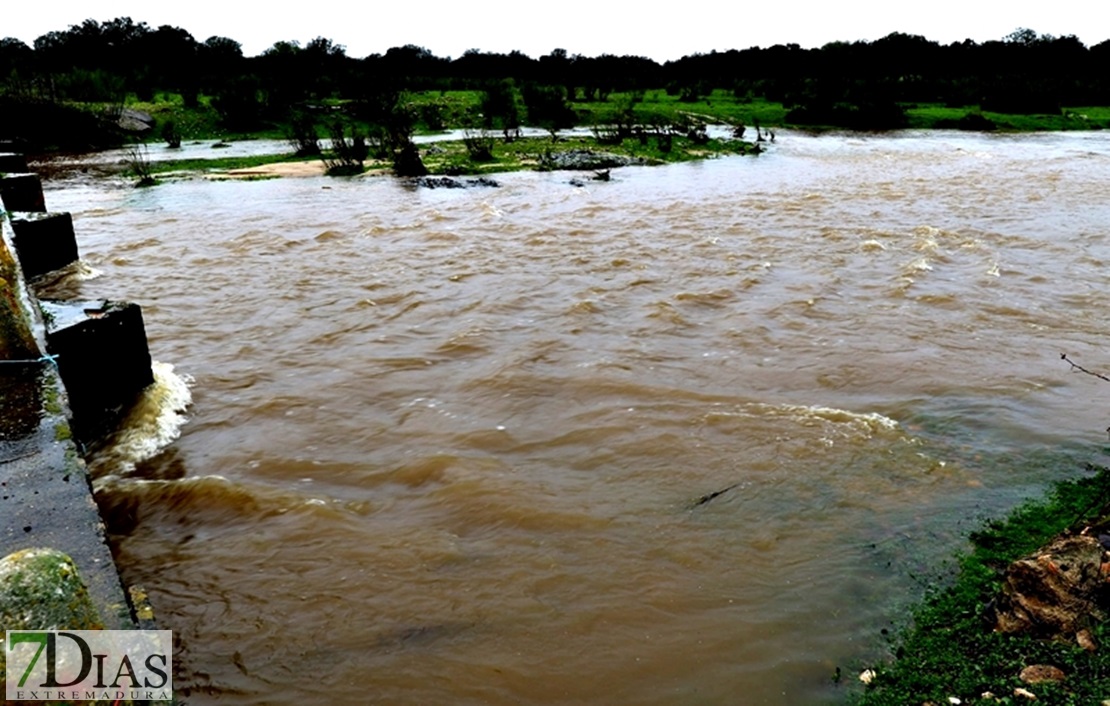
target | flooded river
[{"x": 697, "y": 435}]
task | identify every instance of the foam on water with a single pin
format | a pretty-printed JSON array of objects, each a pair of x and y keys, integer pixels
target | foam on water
[
  {"x": 65, "y": 282},
  {"x": 214, "y": 500},
  {"x": 153, "y": 423},
  {"x": 869, "y": 422}
]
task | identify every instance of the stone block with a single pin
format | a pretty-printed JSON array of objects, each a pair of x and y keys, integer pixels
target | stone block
[
  {"x": 44, "y": 242},
  {"x": 103, "y": 359},
  {"x": 22, "y": 192}
]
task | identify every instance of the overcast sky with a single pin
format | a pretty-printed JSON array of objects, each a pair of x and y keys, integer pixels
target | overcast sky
[{"x": 661, "y": 30}]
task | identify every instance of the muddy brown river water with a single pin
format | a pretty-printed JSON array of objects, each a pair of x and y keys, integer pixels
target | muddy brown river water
[{"x": 458, "y": 446}]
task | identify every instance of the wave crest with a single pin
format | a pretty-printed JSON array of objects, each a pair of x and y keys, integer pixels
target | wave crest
[{"x": 153, "y": 423}]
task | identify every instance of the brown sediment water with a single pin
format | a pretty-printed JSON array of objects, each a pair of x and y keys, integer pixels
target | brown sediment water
[{"x": 467, "y": 446}]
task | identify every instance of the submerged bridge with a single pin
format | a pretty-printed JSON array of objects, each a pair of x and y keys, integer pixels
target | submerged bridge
[{"x": 69, "y": 371}]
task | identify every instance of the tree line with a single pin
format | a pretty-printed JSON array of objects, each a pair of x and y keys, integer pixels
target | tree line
[{"x": 856, "y": 84}]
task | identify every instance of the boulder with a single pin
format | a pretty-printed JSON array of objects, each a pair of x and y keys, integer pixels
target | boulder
[
  {"x": 1041, "y": 673},
  {"x": 1054, "y": 592},
  {"x": 1086, "y": 640},
  {"x": 433, "y": 182},
  {"x": 133, "y": 120},
  {"x": 41, "y": 589},
  {"x": 585, "y": 160}
]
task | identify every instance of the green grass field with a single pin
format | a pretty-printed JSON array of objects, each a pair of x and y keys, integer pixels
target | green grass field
[
  {"x": 436, "y": 111},
  {"x": 1078, "y": 118}
]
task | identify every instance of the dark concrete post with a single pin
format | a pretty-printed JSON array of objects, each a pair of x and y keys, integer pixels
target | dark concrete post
[
  {"x": 22, "y": 192},
  {"x": 44, "y": 242},
  {"x": 12, "y": 163},
  {"x": 103, "y": 359}
]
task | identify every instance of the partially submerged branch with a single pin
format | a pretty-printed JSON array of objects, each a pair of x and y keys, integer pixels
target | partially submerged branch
[
  {"x": 710, "y": 496},
  {"x": 1075, "y": 366}
]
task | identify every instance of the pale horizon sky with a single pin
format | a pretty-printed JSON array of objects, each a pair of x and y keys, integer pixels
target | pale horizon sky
[{"x": 662, "y": 32}]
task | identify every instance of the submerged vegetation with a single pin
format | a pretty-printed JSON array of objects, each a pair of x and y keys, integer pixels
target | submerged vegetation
[
  {"x": 138, "y": 163},
  {"x": 348, "y": 150}
]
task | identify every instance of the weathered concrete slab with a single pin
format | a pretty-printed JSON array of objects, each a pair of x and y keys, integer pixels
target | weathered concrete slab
[
  {"x": 22, "y": 192},
  {"x": 44, "y": 242},
  {"x": 103, "y": 357}
]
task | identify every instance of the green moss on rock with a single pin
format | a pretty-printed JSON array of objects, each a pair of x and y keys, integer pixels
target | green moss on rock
[
  {"x": 62, "y": 432},
  {"x": 16, "y": 340},
  {"x": 41, "y": 589}
]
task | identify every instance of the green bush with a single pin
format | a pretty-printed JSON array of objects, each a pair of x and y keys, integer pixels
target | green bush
[{"x": 347, "y": 153}]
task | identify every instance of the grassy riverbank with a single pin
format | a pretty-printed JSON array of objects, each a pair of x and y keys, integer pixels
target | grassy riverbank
[
  {"x": 656, "y": 112},
  {"x": 437, "y": 110},
  {"x": 1076, "y": 118},
  {"x": 951, "y": 651}
]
